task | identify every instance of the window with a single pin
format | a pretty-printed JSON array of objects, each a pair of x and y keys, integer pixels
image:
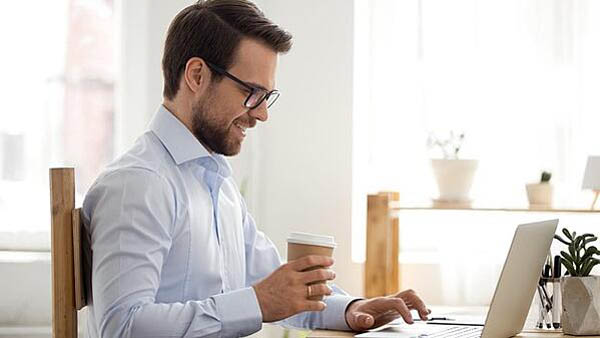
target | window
[
  {"x": 519, "y": 78},
  {"x": 58, "y": 108}
]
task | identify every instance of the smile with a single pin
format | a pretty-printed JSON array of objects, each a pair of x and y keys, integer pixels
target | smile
[{"x": 243, "y": 129}]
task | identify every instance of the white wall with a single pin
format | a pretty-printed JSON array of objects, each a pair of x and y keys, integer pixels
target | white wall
[
  {"x": 305, "y": 148},
  {"x": 142, "y": 33},
  {"x": 300, "y": 161},
  {"x": 139, "y": 92}
]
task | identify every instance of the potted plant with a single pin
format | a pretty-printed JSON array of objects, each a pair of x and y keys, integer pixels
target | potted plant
[
  {"x": 540, "y": 194},
  {"x": 580, "y": 291},
  {"x": 454, "y": 176}
]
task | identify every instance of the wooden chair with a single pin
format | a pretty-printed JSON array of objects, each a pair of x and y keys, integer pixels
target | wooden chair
[{"x": 71, "y": 255}]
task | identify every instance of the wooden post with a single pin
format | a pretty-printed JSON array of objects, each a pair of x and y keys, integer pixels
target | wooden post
[
  {"x": 381, "y": 266},
  {"x": 62, "y": 203},
  {"x": 393, "y": 282},
  {"x": 597, "y": 192}
]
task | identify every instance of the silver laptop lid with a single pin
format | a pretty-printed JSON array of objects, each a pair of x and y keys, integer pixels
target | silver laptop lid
[{"x": 518, "y": 279}]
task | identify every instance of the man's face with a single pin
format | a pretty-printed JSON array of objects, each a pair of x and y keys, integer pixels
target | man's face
[{"x": 220, "y": 120}]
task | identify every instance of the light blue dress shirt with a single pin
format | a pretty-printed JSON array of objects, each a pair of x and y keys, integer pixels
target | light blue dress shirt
[{"x": 175, "y": 252}]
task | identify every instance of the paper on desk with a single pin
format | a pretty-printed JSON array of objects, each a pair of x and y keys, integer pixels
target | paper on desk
[
  {"x": 471, "y": 320},
  {"x": 457, "y": 319},
  {"x": 403, "y": 331}
]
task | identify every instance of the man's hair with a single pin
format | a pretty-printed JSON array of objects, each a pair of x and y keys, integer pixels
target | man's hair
[{"x": 212, "y": 30}]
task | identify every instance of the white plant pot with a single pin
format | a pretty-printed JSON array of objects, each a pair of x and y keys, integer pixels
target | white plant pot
[
  {"x": 454, "y": 178},
  {"x": 580, "y": 305},
  {"x": 540, "y": 194}
]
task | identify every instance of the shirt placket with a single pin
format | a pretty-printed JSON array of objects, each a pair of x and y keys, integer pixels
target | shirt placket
[{"x": 214, "y": 182}]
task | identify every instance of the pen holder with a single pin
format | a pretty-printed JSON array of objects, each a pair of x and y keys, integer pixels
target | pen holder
[
  {"x": 581, "y": 305},
  {"x": 547, "y": 313}
]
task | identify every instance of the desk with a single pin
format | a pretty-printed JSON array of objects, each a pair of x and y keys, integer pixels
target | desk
[
  {"x": 451, "y": 311},
  {"x": 529, "y": 334}
]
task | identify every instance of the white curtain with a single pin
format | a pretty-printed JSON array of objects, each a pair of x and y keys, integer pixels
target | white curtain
[{"x": 521, "y": 79}]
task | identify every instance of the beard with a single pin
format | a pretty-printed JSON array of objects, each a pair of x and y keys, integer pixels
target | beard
[{"x": 213, "y": 133}]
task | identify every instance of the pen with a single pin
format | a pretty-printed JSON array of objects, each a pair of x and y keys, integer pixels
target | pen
[
  {"x": 540, "y": 323},
  {"x": 557, "y": 301},
  {"x": 433, "y": 318},
  {"x": 546, "y": 304},
  {"x": 547, "y": 311},
  {"x": 547, "y": 274}
]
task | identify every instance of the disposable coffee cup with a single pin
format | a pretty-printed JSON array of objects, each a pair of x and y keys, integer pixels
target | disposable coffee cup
[{"x": 302, "y": 244}]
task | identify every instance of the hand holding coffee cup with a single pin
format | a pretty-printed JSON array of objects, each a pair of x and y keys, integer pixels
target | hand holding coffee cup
[
  {"x": 294, "y": 286},
  {"x": 302, "y": 244},
  {"x": 284, "y": 292}
]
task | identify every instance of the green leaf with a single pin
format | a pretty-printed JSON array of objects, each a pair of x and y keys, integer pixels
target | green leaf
[
  {"x": 589, "y": 240},
  {"x": 573, "y": 254},
  {"x": 566, "y": 232},
  {"x": 578, "y": 248},
  {"x": 561, "y": 239},
  {"x": 584, "y": 263},
  {"x": 569, "y": 266},
  {"x": 589, "y": 266},
  {"x": 546, "y": 176},
  {"x": 580, "y": 253},
  {"x": 578, "y": 243},
  {"x": 567, "y": 256},
  {"x": 583, "y": 269},
  {"x": 589, "y": 252}
]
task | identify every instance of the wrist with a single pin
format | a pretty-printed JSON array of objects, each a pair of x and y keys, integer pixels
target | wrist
[
  {"x": 259, "y": 301},
  {"x": 350, "y": 309}
]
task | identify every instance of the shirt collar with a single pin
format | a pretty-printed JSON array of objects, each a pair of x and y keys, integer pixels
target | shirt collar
[{"x": 182, "y": 145}]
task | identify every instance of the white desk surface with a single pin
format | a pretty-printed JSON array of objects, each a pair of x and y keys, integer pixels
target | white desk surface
[{"x": 530, "y": 333}]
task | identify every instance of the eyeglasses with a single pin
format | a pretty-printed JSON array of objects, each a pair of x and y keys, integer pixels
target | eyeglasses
[{"x": 256, "y": 95}]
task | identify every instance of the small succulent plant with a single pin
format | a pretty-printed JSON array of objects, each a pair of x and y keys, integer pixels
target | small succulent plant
[
  {"x": 579, "y": 261},
  {"x": 546, "y": 176},
  {"x": 450, "y": 146}
]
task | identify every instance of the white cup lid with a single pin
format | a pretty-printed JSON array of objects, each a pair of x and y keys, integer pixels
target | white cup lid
[{"x": 311, "y": 239}]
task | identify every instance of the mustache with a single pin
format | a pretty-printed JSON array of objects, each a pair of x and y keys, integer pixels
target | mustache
[{"x": 246, "y": 121}]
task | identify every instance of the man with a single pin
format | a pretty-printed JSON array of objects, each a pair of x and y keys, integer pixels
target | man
[{"x": 175, "y": 252}]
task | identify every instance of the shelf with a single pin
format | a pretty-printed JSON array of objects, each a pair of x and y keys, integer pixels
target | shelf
[
  {"x": 398, "y": 206},
  {"x": 382, "y": 273}
]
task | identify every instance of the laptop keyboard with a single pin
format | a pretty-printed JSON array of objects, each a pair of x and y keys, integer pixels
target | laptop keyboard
[{"x": 457, "y": 332}]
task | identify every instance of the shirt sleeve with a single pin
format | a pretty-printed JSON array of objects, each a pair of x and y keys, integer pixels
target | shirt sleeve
[
  {"x": 131, "y": 217},
  {"x": 262, "y": 259}
]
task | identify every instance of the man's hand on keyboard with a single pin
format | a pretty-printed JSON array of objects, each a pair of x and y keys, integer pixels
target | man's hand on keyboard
[{"x": 367, "y": 314}]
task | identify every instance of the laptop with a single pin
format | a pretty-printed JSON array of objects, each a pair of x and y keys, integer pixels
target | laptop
[{"x": 512, "y": 297}]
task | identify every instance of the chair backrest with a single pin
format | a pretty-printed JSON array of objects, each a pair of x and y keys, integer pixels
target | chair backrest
[{"x": 71, "y": 255}]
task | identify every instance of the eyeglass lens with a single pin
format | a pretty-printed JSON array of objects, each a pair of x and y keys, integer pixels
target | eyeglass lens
[{"x": 258, "y": 96}]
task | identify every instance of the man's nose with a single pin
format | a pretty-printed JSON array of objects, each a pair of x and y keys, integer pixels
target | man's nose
[{"x": 260, "y": 113}]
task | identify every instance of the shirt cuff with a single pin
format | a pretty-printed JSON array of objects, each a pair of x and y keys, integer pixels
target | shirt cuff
[
  {"x": 239, "y": 312},
  {"x": 334, "y": 315}
]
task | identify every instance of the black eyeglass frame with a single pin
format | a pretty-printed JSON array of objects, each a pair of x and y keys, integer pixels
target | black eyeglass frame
[{"x": 252, "y": 89}]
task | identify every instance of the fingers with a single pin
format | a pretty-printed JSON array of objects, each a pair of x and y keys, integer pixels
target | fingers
[
  {"x": 385, "y": 319},
  {"x": 316, "y": 276},
  {"x": 320, "y": 289},
  {"x": 399, "y": 305},
  {"x": 363, "y": 321},
  {"x": 310, "y": 261},
  {"x": 415, "y": 302},
  {"x": 311, "y": 305}
]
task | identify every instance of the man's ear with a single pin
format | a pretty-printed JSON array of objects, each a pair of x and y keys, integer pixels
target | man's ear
[{"x": 196, "y": 74}]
